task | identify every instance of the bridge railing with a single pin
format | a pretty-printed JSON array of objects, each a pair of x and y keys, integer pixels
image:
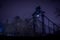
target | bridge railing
[{"x": 50, "y": 24}]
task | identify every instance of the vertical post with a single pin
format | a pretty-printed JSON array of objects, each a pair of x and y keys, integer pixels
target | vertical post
[
  {"x": 34, "y": 20},
  {"x": 43, "y": 28},
  {"x": 54, "y": 27},
  {"x": 48, "y": 26}
]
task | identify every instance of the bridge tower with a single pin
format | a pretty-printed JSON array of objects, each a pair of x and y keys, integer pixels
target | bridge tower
[{"x": 35, "y": 16}]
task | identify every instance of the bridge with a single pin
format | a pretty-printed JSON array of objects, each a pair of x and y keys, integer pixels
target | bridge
[{"x": 38, "y": 25}]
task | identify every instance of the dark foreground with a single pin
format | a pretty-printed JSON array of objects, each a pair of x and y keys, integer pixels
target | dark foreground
[
  {"x": 49, "y": 36},
  {"x": 30, "y": 37}
]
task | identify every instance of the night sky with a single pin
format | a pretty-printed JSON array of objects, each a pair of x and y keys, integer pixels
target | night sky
[{"x": 25, "y": 8}]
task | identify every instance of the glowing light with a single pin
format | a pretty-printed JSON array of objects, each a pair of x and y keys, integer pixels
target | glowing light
[{"x": 38, "y": 15}]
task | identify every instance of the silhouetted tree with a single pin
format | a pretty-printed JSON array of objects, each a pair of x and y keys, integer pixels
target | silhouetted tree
[{"x": 18, "y": 24}]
